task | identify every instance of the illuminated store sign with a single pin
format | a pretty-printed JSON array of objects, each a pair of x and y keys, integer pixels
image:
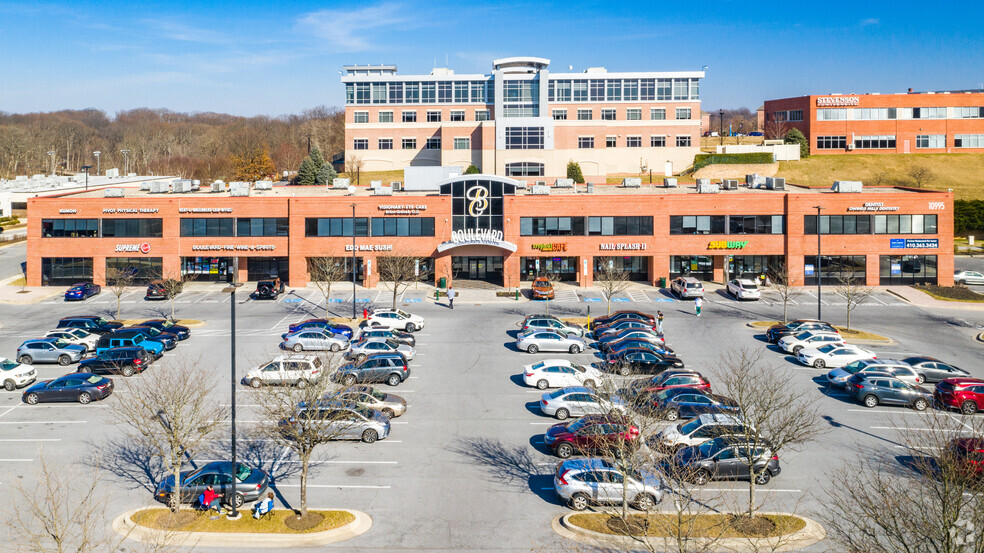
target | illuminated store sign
[
  {"x": 370, "y": 247},
  {"x": 142, "y": 248},
  {"x": 634, "y": 246},
  {"x": 727, "y": 244},
  {"x": 409, "y": 209},
  {"x": 550, "y": 247},
  {"x": 129, "y": 210},
  {"x": 231, "y": 247},
  {"x": 476, "y": 237},
  {"x": 204, "y": 210},
  {"x": 873, "y": 206},
  {"x": 837, "y": 101}
]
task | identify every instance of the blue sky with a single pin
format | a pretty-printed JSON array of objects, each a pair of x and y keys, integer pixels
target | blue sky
[{"x": 271, "y": 58}]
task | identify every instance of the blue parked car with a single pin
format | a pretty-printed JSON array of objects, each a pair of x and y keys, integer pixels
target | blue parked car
[
  {"x": 82, "y": 291},
  {"x": 325, "y": 324},
  {"x": 125, "y": 338}
]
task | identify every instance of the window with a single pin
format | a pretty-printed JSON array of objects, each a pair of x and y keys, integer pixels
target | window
[
  {"x": 524, "y": 169},
  {"x": 433, "y": 143},
  {"x": 428, "y": 93},
  {"x": 904, "y": 224},
  {"x": 614, "y": 89},
  {"x": 832, "y": 269},
  {"x": 63, "y": 271},
  {"x": 611, "y": 141},
  {"x": 657, "y": 141},
  {"x": 657, "y": 114},
  {"x": 831, "y": 114},
  {"x": 551, "y": 226},
  {"x": 637, "y": 266},
  {"x": 585, "y": 142},
  {"x": 930, "y": 141},
  {"x": 755, "y": 224},
  {"x": 409, "y": 116},
  {"x": 360, "y": 144},
  {"x": 403, "y": 226},
  {"x": 386, "y": 117},
  {"x": 584, "y": 115},
  {"x": 683, "y": 113},
  {"x": 457, "y": 115},
  {"x": 580, "y": 90},
  {"x": 968, "y": 141},
  {"x": 697, "y": 224},
  {"x": 132, "y": 228},
  {"x": 70, "y": 228},
  {"x": 633, "y": 142},
  {"x": 379, "y": 91},
  {"x": 838, "y": 224},
  {"x": 143, "y": 269},
  {"x": 409, "y": 143},
  {"x": 433, "y": 116},
  {"x": 683, "y": 141},
  {"x": 964, "y": 112},
  {"x": 831, "y": 142},
  {"x": 462, "y": 143},
  {"x": 608, "y": 114},
  {"x": 559, "y": 114},
  {"x": 362, "y": 117},
  {"x": 620, "y": 226},
  {"x": 881, "y": 142},
  {"x": 633, "y": 114},
  {"x": 524, "y": 138},
  {"x": 874, "y": 113},
  {"x": 262, "y": 226},
  {"x": 199, "y": 227},
  {"x": 795, "y": 115},
  {"x": 906, "y": 269},
  {"x": 335, "y": 226},
  {"x": 481, "y": 115},
  {"x": 385, "y": 143},
  {"x": 929, "y": 113}
]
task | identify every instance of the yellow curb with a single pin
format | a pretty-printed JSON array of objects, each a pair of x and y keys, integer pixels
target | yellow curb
[{"x": 124, "y": 526}]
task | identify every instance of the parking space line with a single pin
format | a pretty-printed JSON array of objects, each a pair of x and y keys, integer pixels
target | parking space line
[
  {"x": 44, "y": 422},
  {"x": 11, "y": 409},
  {"x": 334, "y": 486},
  {"x": 745, "y": 490},
  {"x": 899, "y": 412},
  {"x": 30, "y": 440},
  {"x": 874, "y": 297},
  {"x": 543, "y": 423},
  {"x": 916, "y": 429},
  {"x": 16, "y": 460}
]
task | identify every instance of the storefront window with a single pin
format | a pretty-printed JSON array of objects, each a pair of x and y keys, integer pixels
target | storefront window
[
  {"x": 700, "y": 267},
  {"x": 753, "y": 266},
  {"x": 133, "y": 228},
  {"x": 143, "y": 270},
  {"x": 563, "y": 268},
  {"x": 833, "y": 269},
  {"x": 70, "y": 228},
  {"x": 906, "y": 269},
  {"x": 335, "y": 269},
  {"x": 264, "y": 268},
  {"x": 218, "y": 269},
  {"x": 636, "y": 266},
  {"x": 488, "y": 269},
  {"x": 64, "y": 271},
  {"x": 213, "y": 226}
]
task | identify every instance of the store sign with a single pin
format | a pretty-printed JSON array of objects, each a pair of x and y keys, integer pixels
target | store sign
[
  {"x": 125, "y": 210},
  {"x": 634, "y": 246},
  {"x": 873, "y": 206},
  {"x": 896, "y": 268},
  {"x": 914, "y": 243},
  {"x": 369, "y": 248},
  {"x": 204, "y": 210},
  {"x": 808, "y": 269},
  {"x": 409, "y": 209},
  {"x": 476, "y": 237},
  {"x": 727, "y": 244},
  {"x": 837, "y": 101},
  {"x": 550, "y": 247},
  {"x": 67, "y": 211},
  {"x": 134, "y": 248},
  {"x": 232, "y": 248}
]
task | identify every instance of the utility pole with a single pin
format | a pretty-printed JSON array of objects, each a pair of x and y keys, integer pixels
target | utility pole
[
  {"x": 96, "y": 153},
  {"x": 51, "y": 154},
  {"x": 86, "y": 169},
  {"x": 126, "y": 161},
  {"x": 353, "y": 262},
  {"x": 721, "y": 125}
]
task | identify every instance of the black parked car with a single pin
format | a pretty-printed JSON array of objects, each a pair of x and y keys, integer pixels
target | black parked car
[
  {"x": 163, "y": 289},
  {"x": 268, "y": 289},
  {"x": 92, "y": 323},
  {"x": 125, "y": 361},
  {"x": 251, "y": 484},
  {"x": 165, "y": 325},
  {"x": 168, "y": 338},
  {"x": 775, "y": 332},
  {"x": 727, "y": 458},
  {"x": 686, "y": 403},
  {"x": 934, "y": 370},
  {"x": 641, "y": 360},
  {"x": 80, "y": 387}
]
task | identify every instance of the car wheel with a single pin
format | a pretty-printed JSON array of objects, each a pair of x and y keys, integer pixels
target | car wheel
[
  {"x": 579, "y": 502},
  {"x": 239, "y": 500},
  {"x": 819, "y": 363},
  {"x": 870, "y": 401},
  {"x": 411, "y": 327},
  {"x": 298, "y": 348},
  {"x": 562, "y": 414},
  {"x": 920, "y": 378},
  {"x": 968, "y": 407},
  {"x": 256, "y": 383},
  {"x": 84, "y": 398},
  {"x": 701, "y": 477},
  {"x": 9, "y": 385},
  {"x": 25, "y": 360},
  {"x": 335, "y": 348},
  {"x": 127, "y": 371},
  {"x": 542, "y": 384},
  {"x": 589, "y": 383},
  {"x": 625, "y": 370},
  {"x": 645, "y": 502},
  {"x": 797, "y": 349},
  {"x": 350, "y": 380},
  {"x": 388, "y": 412},
  {"x": 672, "y": 415},
  {"x": 574, "y": 348},
  {"x": 64, "y": 360},
  {"x": 393, "y": 380},
  {"x": 532, "y": 348},
  {"x": 565, "y": 450},
  {"x": 763, "y": 478},
  {"x": 962, "y": 282},
  {"x": 370, "y": 436},
  {"x": 920, "y": 404},
  {"x": 301, "y": 384},
  {"x": 31, "y": 399}
]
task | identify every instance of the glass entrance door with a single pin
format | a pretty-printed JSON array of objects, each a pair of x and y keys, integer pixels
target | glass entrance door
[
  {"x": 488, "y": 269},
  {"x": 476, "y": 268}
]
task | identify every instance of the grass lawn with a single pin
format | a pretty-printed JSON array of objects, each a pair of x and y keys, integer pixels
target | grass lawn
[
  {"x": 693, "y": 526},
  {"x": 158, "y": 518},
  {"x": 369, "y": 176},
  {"x": 961, "y": 172},
  {"x": 951, "y": 293}
]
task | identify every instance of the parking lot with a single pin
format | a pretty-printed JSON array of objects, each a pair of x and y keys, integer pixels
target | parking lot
[{"x": 465, "y": 468}]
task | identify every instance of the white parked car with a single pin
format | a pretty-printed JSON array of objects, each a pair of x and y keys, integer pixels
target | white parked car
[
  {"x": 75, "y": 336},
  {"x": 364, "y": 348},
  {"x": 577, "y": 401},
  {"x": 296, "y": 370},
  {"x": 890, "y": 367},
  {"x": 695, "y": 432},
  {"x": 809, "y": 339},
  {"x": 560, "y": 373},
  {"x": 744, "y": 289},
  {"x": 394, "y": 319},
  {"x": 549, "y": 340},
  {"x": 15, "y": 375},
  {"x": 968, "y": 277},
  {"x": 832, "y": 356}
]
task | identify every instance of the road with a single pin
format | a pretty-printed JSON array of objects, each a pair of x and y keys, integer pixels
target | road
[{"x": 12, "y": 259}]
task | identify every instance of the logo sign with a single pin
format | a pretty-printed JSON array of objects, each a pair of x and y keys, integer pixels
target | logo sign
[
  {"x": 873, "y": 206},
  {"x": 370, "y": 247},
  {"x": 132, "y": 248},
  {"x": 476, "y": 203},
  {"x": 808, "y": 270},
  {"x": 896, "y": 268},
  {"x": 204, "y": 210},
  {"x": 914, "y": 243},
  {"x": 635, "y": 246},
  {"x": 727, "y": 244},
  {"x": 123, "y": 210},
  {"x": 478, "y": 200},
  {"x": 67, "y": 211},
  {"x": 232, "y": 247},
  {"x": 472, "y": 237},
  {"x": 550, "y": 247},
  {"x": 409, "y": 209},
  {"x": 837, "y": 101},
  {"x": 145, "y": 248}
]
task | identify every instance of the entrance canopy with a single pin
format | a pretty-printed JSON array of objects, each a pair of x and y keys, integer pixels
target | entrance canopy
[{"x": 473, "y": 237}]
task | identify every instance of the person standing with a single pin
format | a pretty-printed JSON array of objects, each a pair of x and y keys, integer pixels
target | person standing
[
  {"x": 698, "y": 303},
  {"x": 659, "y": 323},
  {"x": 451, "y": 295}
]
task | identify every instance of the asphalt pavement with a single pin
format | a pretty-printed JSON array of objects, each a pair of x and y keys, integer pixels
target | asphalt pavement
[{"x": 12, "y": 259}]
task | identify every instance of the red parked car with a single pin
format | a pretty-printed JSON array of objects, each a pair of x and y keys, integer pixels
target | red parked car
[
  {"x": 670, "y": 379},
  {"x": 968, "y": 452},
  {"x": 591, "y": 433},
  {"x": 966, "y": 394}
]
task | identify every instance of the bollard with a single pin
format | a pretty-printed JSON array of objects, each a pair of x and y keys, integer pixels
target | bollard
[
  {"x": 517, "y": 294},
  {"x": 437, "y": 295}
]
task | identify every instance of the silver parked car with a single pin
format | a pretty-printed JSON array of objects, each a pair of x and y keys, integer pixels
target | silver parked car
[
  {"x": 49, "y": 350},
  {"x": 397, "y": 335},
  {"x": 364, "y": 348},
  {"x": 341, "y": 420},
  {"x": 548, "y": 340},
  {"x": 968, "y": 277},
  {"x": 578, "y": 401},
  {"x": 582, "y": 482},
  {"x": 552, "y": 323},
  {"x": 367, "y": 396},
  {"x": 297, "y": 370},
  {"x": 314, "y": 339}
]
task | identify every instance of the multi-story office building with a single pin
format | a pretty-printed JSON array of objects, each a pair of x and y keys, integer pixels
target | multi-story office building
[
  {"x": 913, "y": 122},
  {"x": 521, "y": 120}
]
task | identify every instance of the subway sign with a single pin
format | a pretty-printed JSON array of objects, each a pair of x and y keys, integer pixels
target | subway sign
[{"x": 727, "y": 244}]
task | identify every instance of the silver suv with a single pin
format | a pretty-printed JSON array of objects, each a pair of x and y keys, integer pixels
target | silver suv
[
  {"x": 695, "y": 432},
  {"x": 687, "y": 287},
  {"x": 582, "y": 482},
  {"x": 552, "y": 323},
  {"x": 298, "y": 370}
]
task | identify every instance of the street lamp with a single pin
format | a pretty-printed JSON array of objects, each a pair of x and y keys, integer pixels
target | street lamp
[
  {"x": 721, "y": 125},
  {"x": 353, "y": 261},
  {"x": 126, "y": 161},
  {"x": 86, "y": 169},
  {"x": 52, "y": 154},
  {"x": 818, "y": 270},
  {"x": 231, "y": 289},
  {"x": 96, "y": 153}
]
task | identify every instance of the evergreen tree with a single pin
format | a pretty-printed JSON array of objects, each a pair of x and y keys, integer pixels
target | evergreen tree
[
  {"x": 472, "y": 170},
  {"x": 326, "y": 175},
  {"x": 794, "y": 136},
  {"x": 316, "y": 158},
  {"x": 306, "y": 173},
  {"x": 574, "y": 172}
]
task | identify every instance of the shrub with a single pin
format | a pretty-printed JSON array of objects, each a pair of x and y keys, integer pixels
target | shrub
[
  {"x": 968, "y": 215},
  {"x": 795, "y": 136},
  {"x": 472, "y": 170},
  {"x": 574, "y": 172},
  {"x": 703, "y": 160}
]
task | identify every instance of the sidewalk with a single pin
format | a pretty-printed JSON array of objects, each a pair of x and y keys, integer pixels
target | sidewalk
[
  {"x": 29, "y": 294},
  {"x": 922, "y": 299}
]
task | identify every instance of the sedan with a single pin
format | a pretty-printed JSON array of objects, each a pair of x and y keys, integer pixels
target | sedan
[
  {"x": 559, "y": 373},
  {"x": 676, "y": 403},
  {"x": 313, "y": 340},
  {"x": 543, "y": 323},
  {"x": 593, "y": 433},
  {"x": 744, "y": 289},
  {"x": 548, "y": 340},
  {"x": 639, "y": 360},
  {"x": 583, "y": 482},
  {"x": 251, "y": 484},
  {"x": 934, "y": 370},
  {"x": 968, "y": 277},
  {"x": 397, "y": 335},
  {"x": 578, "y": 401},
  {"x": 82, "y": 291},
  {"x": 727, "y": 458},
  {"x": 367, "y": 396},
  {"x": 619, "y": 315},
  {"x": 322, "y": 324},
  {"x": 364, "y": 348},
  {"x": 809, "y": 339},
  {"x": 50, "y": 350},
  {"x": 163, "y": 289},
  {"x": 166, "y": 325},
  {"x": 75, "y": 336},
  {"x": 775, "y": 332},
  {"x": 839, "y": 377},
  {"x": 337, "y": 420},
  {"x": 605, "y": 343},
  {"x": 832, "y": 356},
  {"x": 625, "y": 324},
  {"x": 875, "y": 390},
  {"x": 667, "y": 380},
  {"x": 80, "y": 387},
  {"x": 632, "y": 343}
]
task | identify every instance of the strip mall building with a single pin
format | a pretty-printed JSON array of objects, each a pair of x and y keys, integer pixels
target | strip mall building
[{"x": 495, "y": 229}]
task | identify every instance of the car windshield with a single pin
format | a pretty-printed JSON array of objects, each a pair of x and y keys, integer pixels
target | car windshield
[
  {"x": 377, "y": 394},
  {"x": 556, "y": 393},
  {"x": 364, "y": 411},
  {"x": 167, "y": 324},
  {"x": 78, "y": 333},
  {"x": 151, "y": 330},
  {"x": 579, "y": 368},
  {"x": 853, "y": 367},
  {"x": 537, "y": 366},
  {"x": 60, "y": 343},
  {"x": 242, "y": 472},
  {"x": 826, "y": 348},
  {"x": 100, "y": 321},
  {"x": 804, "y": 335},
  {"x": 7, "y": 365},
  {"x": 687, "y": 427},
  {"x": 577, "y": 425},
  {"x": 749, "y": 286},
  {"x": 94, "y": 379},
  {"x": 709, "y": 448},
  {"x": 403, "y": 313},
  {"x": 393, "y": 344}
]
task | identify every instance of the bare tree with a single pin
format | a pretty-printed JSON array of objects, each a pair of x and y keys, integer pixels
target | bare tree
[
  {"x": 853, "y": 290},
  {"x": 880, "y": 178},
  {"x": 779, "y": 277},
  {"x": 326, "y": 271},
  {"x": 353, "y": 166},
  {"x": 611, "y": 279},
  {"x": 119, "y": 280},
  {"x": 168, "y": 410},
  {"x": 774, "y": 128},
  {"x": 738, "y": 124},
  {"x": 399, "y": 269},
  {"x": 172, "y": 286},
  {"x": 920, "y": 175}
]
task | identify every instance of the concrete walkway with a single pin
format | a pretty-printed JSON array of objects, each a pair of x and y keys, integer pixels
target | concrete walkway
[{"x": 922, "y": 299}]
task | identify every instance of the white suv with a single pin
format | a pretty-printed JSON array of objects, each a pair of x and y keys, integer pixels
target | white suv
[
  {"x": 744, "y": 289},
  {"x": 16, "y": 375},
  {"x": 297, "y": 370},
  {"x": 687, "y": 287},
  {"x": 394, "y": 319},
  {"x": 695, "y": 432}
]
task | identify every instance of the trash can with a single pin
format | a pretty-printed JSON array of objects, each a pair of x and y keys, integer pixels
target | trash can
[
  {"x": 662, "y": 282},
  {"x": 442, "y": 282}
]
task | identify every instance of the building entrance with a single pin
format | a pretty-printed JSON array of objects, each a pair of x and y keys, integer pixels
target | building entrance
[{"x": 486, "y": 269}]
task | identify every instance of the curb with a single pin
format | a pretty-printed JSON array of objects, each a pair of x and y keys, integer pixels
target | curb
[
  {"x": 898, "y": 295},
  {"x": 811, "y": 534},
  {"x": 980, "y": 337},
  {"x": 125, "y": 527}
]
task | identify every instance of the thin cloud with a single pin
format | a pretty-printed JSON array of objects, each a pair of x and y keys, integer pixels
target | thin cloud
[
  {"x": 349, "y": 30},
  {"x": 870, "y": 21},
  {"x": 179, "y": 31}
]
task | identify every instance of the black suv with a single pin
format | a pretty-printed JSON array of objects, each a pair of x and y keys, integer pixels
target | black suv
[
  {"x": 164, "y": 325},
  {"x": 125, "y": 361},
  {"x": 390, "y": 368},
  {"x": 268, "y": 289},
  {"x": 91, "y": 323}
]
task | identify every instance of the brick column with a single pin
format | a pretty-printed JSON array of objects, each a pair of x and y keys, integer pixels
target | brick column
[
  {"x": 511, "y": 270},
  {"x": 371, "y": 271},
  {"x": 871, "y": 269},
  {"x": 718, "y": 264}
]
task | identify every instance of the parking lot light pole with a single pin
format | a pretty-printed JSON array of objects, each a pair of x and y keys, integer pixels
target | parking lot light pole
[
  {"x": 86, "y": 169},
  {"x": 353, "y": 262},
  {"x": 817, "y": 269},
  {"x": 231, "y": 289}
]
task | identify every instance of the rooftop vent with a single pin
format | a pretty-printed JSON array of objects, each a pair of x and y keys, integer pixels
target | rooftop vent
[
  {"x": 670, "y": 182},
  {"x": 397, "y": 186},
  {"x": 707, "y": 188},
  {"x": 539, "y": 189},
  {"x": 775, "y": 183},
  {"x": 383, "y": 191},
  {"x": 339, "y": 183},
  {"x": 112, "y": 192},
  {"x": 263, "y": 185},
  {"x": 239, "y": 189},
  {"x": 729, "y": 184},
  {"x": 564, "y": 183},
  {"x": 632, "y": 182},
  {"x": 847, "y": 186}
]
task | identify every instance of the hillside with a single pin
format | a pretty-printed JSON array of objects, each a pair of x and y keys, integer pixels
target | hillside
[{"x": 964, "y": 173}]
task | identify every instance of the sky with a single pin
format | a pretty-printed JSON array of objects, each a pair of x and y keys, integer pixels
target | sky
[{"x": 252, "y": 57}]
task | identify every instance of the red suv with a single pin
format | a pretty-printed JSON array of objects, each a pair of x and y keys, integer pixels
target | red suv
[
  {"x": 968, "y": 452},
  {"x": 591, "y": 433},
  {"x": 966, "y": 394}
]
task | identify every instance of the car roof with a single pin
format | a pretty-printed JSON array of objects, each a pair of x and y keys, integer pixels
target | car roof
[
  {"x": 587, "y": 464},
  {"x": 294, "y": 357},
  {"x": 718, "y": 418},
  {"x": 920, "y": 359},
  {"x": 964, "y": 381},
  {"x": 644, "y": 350},
  {"x": 575, "y": 390},
  {"x": 745, "y": 280},
  {"x": 80, "y": 317}
]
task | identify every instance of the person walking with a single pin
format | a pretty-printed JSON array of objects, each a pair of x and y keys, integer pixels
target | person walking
[
  {"x": 451, "y": 295},
  {"x": 698, "y": 303},
  {"x": 659, "y": 323}
]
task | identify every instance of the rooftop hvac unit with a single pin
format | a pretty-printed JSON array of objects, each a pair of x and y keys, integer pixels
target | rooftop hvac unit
[
  {"x": 847, "y": 186},
  {"x": 539, "y": 189},
  {"x": 375, "y": 183},
  {"x": 730, "y": 184},
  {"x": 196, "y": 184},
  {"x": 777, "y": 183},
  {"x": 239, "y": 189},
  {"x": 564, "y": 183},
  {"x": 632, "y": 182},
  {"x": 263, "y": 185},
  {"x": 112, "y": 192},
  {"x": 339, "y": 183},
  {"x": 708, "y": 188},
  {"x": 182, "y": 187},
  {"x": 159, "y": 187},
  {"x": 703, "y": 182},
  {"x": 217, "y": 186},
  {"x": 397, "y": 186},
  {"x": 590, "y": 188},
  {"x": 145, "y": 186},
  {"x": 382, "y": 190},
  {"x": 670, "y": 182}
]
